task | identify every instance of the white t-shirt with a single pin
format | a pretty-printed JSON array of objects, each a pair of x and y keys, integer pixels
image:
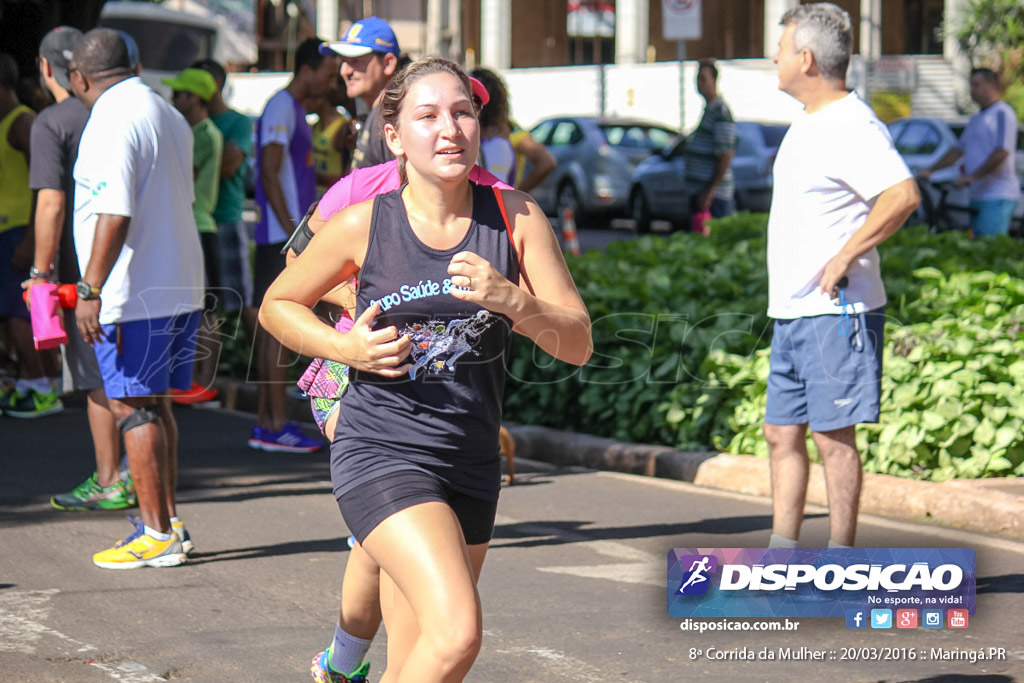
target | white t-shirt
[
  {"x": 830, "y": 168},
  {"x": 277, "y": 125},
  {"x": 499, "y": 157},
  {"x": 135, "y": 160},
  {"x": 990, "y": 129}
]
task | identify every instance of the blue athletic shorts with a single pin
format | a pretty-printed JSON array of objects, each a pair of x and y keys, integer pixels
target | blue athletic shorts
[
  {"x": 823, "y": 378},
  {"x": 992, "y": 217},
  {"x": 147, "y": 357}
]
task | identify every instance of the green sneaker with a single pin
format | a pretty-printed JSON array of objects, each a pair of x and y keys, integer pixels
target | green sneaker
[
  {"x": 34, "y": 404},
  {"x": 89, "y": 495}
]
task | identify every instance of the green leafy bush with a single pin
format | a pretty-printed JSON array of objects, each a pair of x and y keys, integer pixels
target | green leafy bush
[{"x": 681, "y": 356}]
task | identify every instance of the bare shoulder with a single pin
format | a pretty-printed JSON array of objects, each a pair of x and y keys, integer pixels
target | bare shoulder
[
  {"x": 347, "y": 233},
  {"x": 524, "y": 215}
]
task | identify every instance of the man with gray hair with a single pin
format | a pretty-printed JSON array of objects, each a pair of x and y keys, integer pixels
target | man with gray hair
[
  {"x": 142, "y": 278},
  {"x": 841, "y": 189}
]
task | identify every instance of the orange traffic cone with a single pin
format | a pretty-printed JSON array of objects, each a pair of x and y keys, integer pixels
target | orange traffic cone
[{"x": 570, "y": 243}]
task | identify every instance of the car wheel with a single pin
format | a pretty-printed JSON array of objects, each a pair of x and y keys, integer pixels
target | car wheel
[
  {"x": 639, "y": 211},
  {"x": 568, "y": 198}
]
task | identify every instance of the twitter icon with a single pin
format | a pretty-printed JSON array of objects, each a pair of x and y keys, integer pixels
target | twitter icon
[{"x": 881, "y": 618}]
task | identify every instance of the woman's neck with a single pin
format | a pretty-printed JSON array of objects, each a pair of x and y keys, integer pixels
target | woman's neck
[{"x": 438, "y": 203}]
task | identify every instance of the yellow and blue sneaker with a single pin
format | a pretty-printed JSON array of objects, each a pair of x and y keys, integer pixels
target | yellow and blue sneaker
[
  {"x": 182, "y": 533},
  {"x": 141, "y": 550},
  {"x": 33, "y": 404},
  {"x": 323, "y": 673}
]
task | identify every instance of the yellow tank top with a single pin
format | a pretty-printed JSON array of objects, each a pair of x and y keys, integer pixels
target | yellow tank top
[
  {"x": 326, "y": 158},
  {"x": 15, "y": 196}
]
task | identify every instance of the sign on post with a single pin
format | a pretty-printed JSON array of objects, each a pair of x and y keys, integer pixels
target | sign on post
[{"x": 681, "y": 19}]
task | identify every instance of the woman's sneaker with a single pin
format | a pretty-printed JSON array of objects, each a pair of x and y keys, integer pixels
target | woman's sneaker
[
  {"x": 323, "y": 673},
  {"x": 89, "y": 495},
  {"x": 289, "y": 440}
]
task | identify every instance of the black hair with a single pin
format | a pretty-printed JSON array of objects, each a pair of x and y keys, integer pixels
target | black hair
[
  {"x": 308, "y": 54},
  {"x": 708, "y": 64},
  {"x": 988, "y": 75},
  {"x": 102, "y": 50},
  {"x": 214, "y": 68}
]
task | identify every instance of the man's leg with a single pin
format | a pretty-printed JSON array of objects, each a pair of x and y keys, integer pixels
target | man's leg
[
  {"x": 787, "y": 447},
  {"x": 106, "y": 437},
  {"x": 273, "y": 374},
  {"x": 170, "y": 464},
  {"x": 144, "y": 439},
  {"x": 843, "y": 475}
]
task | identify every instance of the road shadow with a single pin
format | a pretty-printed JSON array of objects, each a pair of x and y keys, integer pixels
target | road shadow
[
  {"x": 1008, "y": 583},
  {"x": 572, "y": 531},
  {"x": 326, "y": 545}
]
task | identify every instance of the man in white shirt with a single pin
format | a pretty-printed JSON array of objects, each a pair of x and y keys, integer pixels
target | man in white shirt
[
  {"x": 987, "y": 147},
  {"x": 142, "y": 277},
  {"x": 841, "y": 189}
]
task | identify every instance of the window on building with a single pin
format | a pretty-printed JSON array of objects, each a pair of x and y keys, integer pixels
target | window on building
[{"x": 590, "y": 26}]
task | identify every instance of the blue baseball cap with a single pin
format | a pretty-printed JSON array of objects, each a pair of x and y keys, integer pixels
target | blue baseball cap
[{"x": 371, "y": 34}]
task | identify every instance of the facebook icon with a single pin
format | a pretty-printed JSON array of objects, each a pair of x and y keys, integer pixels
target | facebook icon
[{"x": 855, "y": 618}]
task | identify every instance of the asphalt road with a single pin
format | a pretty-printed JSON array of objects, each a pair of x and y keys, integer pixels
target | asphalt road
[{"x": 573, "y": 589}]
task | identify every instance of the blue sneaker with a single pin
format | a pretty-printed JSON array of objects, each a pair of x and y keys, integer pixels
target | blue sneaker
[
  {"x": 323, "y": 673},
  {"x": 289, "y": 440}
]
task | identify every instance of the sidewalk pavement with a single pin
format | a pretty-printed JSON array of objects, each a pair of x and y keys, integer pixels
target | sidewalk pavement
[{"x": 986, "y": 505}]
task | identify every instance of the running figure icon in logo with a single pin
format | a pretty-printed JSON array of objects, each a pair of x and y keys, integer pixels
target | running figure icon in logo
[{"x": 436, "y": 345}]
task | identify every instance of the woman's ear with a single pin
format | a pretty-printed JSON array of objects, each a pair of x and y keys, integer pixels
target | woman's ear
[{"x": 394, "y": 143}]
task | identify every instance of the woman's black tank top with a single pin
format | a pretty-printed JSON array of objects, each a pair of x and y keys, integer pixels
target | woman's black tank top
[{"x": 444, "y": 414}]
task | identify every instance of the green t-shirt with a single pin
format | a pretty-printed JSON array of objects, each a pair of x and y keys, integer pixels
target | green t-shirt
[
  {"x": 235, "y": 128},
  {"x": 208, "y": 146}
]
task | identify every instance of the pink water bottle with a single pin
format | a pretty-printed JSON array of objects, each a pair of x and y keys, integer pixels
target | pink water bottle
[{"x": 47, "y": 318}]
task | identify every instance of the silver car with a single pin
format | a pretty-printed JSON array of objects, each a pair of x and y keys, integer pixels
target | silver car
[
  {"x": 658, "y": 191},
  {"x": 596, "y": 157}
]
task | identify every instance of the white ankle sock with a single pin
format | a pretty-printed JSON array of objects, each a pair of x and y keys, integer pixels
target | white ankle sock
[
  {"x": 157, "y": 535},
  {"x": 347, "y": 651},
  {"x": 833, "y": 544},
  {"x": 40, "y": 385},
  {"x": 777, "y": 541}
]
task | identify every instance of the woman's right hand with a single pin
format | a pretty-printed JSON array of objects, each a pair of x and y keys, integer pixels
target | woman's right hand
[{"x": 377, "y": 351}]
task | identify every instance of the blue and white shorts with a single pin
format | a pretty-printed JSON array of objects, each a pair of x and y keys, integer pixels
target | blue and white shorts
[
  {"x": 148, "y": 357},
  {"x": 825, "y": 375}
]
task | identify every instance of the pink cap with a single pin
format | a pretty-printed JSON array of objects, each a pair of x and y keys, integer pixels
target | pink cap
[{"x": 480, "y": 91}]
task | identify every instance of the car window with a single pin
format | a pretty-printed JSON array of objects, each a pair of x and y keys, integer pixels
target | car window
[
  {"x": 637, "y": 137},
  {"x": 541, "y": 131},
  {"x": 745, "y": 146},
  {"x": 773, "y": 135},
  {"x": 918, "y": 138},
  {"x": 565, "y": 133}
]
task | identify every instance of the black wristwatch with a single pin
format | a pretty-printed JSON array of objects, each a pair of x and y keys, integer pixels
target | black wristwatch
[{"x": 87, "y": 292}]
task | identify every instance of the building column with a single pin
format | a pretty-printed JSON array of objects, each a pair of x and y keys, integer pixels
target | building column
[
  {"x": 773, "y": 11},
  {"x": 496, "y": 34},
  {"x": 435, "y": 28},
  {"x": 327, "y": 19},
  {"x": 870, "y": 29},
  {"x": 632, "y": 31}
]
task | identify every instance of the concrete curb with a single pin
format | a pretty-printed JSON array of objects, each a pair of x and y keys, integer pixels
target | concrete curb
[
  {"x": 987, "y": 505},
  {"x": 974, "y": 505}
]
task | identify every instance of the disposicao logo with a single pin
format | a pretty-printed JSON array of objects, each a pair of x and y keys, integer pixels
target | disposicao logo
[
  {"x": 696, "y": 580},
  {"x": 818, "y": 582}
]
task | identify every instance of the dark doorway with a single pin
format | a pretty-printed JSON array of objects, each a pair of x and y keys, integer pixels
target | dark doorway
[{"x": 924, "y": 19}]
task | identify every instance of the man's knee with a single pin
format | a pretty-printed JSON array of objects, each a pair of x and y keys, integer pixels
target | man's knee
[
  {"x": 138, "y": 417},
  {"x": 784, "y": 437}
]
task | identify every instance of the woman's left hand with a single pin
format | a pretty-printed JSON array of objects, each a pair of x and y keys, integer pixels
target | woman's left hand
[{"x": 475, "y": 279}]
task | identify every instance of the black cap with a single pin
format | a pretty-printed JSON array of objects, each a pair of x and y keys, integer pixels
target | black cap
[{"x": 57, "y": 47}]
